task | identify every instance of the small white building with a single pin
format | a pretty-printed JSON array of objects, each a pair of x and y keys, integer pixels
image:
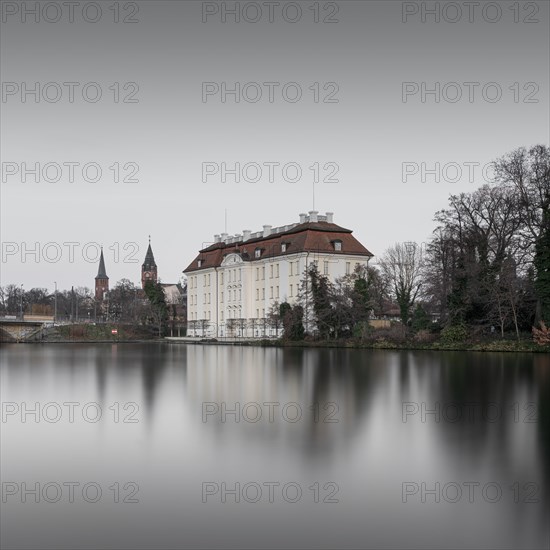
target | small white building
[{"x": 233, "y": 283}]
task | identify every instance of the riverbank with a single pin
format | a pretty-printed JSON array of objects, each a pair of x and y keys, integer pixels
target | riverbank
[
  {"x": 489, "y": 346},
  {"x": 486, "y": 345},
  {"x": 128, "y": 334}
]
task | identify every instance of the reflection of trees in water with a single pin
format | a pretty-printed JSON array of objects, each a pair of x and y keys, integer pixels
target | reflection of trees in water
[
  {"x": 354, "y": 379},
  {"x": 349, "y": 379},
  {"x": 509, "y": 380},
  {"x": 121, "y": 361},
  {"x": 102, "y": 358},
  {"x": 542, "y": 383},
  {"x": 153, "y": 367}
]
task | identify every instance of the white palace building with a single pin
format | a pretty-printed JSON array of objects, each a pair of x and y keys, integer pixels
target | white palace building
[{"x": 233, "y": 283}]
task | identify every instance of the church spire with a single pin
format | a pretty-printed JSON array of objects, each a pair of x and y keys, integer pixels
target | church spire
[
  {"x": 101, "y": 272},
  {"x": 149, "y": 261},
  {"x": 149, "y": 267},
  {"x": 101, "y": 280}
]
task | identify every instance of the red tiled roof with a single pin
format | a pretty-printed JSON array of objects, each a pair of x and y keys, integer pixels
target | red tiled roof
[{"x": 306, "y": 237}]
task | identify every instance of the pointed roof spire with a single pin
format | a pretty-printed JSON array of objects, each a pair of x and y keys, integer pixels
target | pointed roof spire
[
  {"x": 101, "y": 273},
  {"x": 149, "y": 261}
]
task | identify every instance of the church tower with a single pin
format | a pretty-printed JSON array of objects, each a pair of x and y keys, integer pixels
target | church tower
[
  {"x": 101, "y": 280},
  {"x": 149, "y": 267}
]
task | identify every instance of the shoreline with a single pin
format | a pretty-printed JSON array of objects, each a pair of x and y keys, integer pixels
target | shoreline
[{"x": 507, "y": 346}]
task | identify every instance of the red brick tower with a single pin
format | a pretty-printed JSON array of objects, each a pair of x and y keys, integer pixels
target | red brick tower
[{"x": 101, "y": 280}]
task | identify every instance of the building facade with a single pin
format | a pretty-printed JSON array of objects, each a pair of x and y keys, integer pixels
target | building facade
[{"x": 233, "y": 283}]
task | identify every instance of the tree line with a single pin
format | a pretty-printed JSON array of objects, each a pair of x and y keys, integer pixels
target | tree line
[
  {"x": 124, "y": 303},
  {"x": 486, "y": 266}
]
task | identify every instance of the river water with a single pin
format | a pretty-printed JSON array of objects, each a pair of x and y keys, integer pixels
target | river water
[{"x": 188, "y": 446}]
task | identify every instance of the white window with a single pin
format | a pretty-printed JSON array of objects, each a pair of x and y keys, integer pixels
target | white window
[
  {"x": 221, "y": 278},
  {"x": 271, "y": 271},
  {"x": 290, "y": 290},
  {"x": 277, "y": 270},
  {"x": 240, "y": 295},
  {"x": 222, "y": 315},
  {"x": 347, "y": 268},
  {"x": 221, "y": 300},
  {"x": 337, "y": 245},
  {"x": 263, "y": 273},
  {"x": 200, "y": 263},
  {"x": 257, "y": 294},
  {"x": 209, "y": 297},
  {"x": 257, "y": 253},
  {"x": 263, "y": 293},
  {"x": 271, "y": 292},
  {"x": 290, "y": 268},
  {"x": 277, "y": 292},
  {"x": 283, "y": 247},
  {"x": 325, "y": 268}
]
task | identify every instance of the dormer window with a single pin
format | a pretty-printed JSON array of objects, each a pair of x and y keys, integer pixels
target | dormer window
[
  {"x": 337, "y": 245},
  {"x": 257, "y": 253},
  {"x": 283, "y": 247},
  {"x": 200, "y": 263}
]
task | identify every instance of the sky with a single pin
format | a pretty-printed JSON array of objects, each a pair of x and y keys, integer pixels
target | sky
[{"x": 134, "y": 117}]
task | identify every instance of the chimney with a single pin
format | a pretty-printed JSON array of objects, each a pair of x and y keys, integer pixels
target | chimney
[
  {"x": 329, "y": 217},
  {"x": 224, "y": 237},
  {"x": 313, "y": 215},
  {"x": 217, "y": 238},
  {"x": 267, "y": 230},
  {"x": 302, "y": 218},
  {"x": 246, "y": 234}
]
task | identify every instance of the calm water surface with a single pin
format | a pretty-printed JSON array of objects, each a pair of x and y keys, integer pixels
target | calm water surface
[{"x": 236, "y": 447}]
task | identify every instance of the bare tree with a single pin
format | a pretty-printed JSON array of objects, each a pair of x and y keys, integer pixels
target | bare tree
[
  {"x": 402, "y": 266},
  {"x": 527, "y": 172}
]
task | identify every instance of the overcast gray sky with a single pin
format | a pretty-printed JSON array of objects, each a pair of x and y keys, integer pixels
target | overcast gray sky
[{"x": 160, "y": 123}]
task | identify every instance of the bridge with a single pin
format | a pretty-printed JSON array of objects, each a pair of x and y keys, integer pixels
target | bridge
[{"x": 23, "y": 330}]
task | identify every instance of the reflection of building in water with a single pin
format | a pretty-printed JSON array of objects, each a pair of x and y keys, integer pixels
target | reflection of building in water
[
  {"x": 234, "y": 282},
  {"x": 316, "y": 399}
]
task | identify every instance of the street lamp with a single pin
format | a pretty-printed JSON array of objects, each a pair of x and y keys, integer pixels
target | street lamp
[{"x": 55, "y": 303}]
